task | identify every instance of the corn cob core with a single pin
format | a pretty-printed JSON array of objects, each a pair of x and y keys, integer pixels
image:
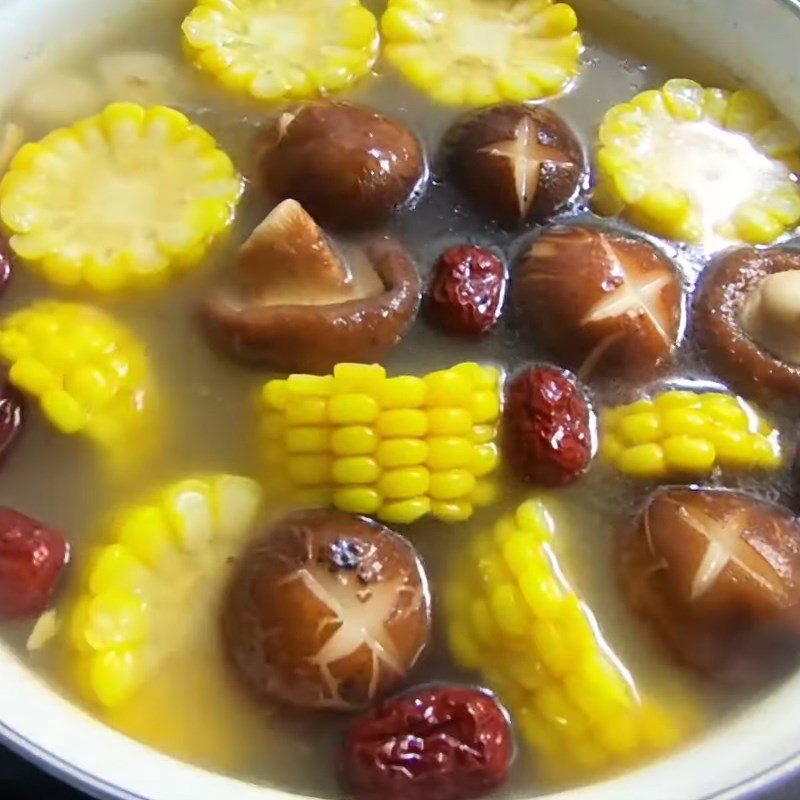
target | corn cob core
[
  {"x": 513, "y": 617},
  {"x": 89, "y": 374},
  {"x": 280, "y": 49},
  {"x": 158, "y": 582},
  {"x": 118, "y": 199},
  {"x": 478, "y": 52},
  {"x": 695, "y": 164},
  {"x": 687, "y": 433},
  {"x": 394, "y": 448}
]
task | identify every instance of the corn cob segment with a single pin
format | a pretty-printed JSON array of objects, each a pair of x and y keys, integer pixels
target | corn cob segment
[
  {"x": 89, "y": 374},
  {"x": 514, "y": 618},
  {"x": 699, "y": 164},
  {"x": 687, "y": 433},
  {"x": 479, "y": 52},
  {"x": 279, "y": 49},
  {"x": 118, "y": 199},
  {"x": 158, "y": 583},
  {"x": 394, "y": 448}
]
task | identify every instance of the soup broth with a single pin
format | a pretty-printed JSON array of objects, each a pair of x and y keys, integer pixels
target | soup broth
[{"x": 192, "y": 708}]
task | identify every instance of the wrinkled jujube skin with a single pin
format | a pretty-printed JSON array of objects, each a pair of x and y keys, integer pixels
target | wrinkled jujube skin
[
  {"x": 326, "y": 611},
  {"x": 348, "y": 165},
  {"x": 11, "y": 416},
  {"x": 468, "y": 290},
  {"x": 32, "y": 556},
  {"x": 547, "y": 437},
  {"x": 716, "y": 574},
  {"x": 434, "y": 743}
]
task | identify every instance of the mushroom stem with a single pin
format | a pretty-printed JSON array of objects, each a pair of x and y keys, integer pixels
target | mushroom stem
[{"x": 771, "y": 315}]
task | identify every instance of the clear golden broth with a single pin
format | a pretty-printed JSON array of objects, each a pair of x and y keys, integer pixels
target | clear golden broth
[{"x": 192, "y": 709}]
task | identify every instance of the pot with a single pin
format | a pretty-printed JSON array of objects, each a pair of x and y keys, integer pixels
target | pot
[{"x": 759, "y": 40}]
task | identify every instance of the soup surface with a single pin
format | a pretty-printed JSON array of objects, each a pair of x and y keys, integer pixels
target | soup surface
[{"x": 193, "y": 708}]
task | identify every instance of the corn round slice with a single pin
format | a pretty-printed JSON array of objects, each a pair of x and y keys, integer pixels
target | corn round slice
[
  {"x": 680, "y": 433},
  {"x": 118, "y": 199},
  {"x": 394, "y": 448},
  {"x": 278, "y": 49},
  {"x": 89, "y": 374},
  {"x": 513, "y": 617},
  {"x": 698, "y": 164},
  {"x": 156, "y": 587},
  {"x": 478, "y": 52}
]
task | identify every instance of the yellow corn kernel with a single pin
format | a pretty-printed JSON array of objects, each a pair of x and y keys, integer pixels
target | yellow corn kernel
[
  {"x": 447, "y": 388},
  {"x": 485, "y": 407},
  {"x": 404, "y": 512},
  {"x": 640, "y": 428},
  {"x": 33, "y": 377},
  {"x": 534, "y": 518},
  {"x": 410, "y": 423},
  {"x": 451, "y": 484},
  {"x": 733, "y": 447},
  {"x": 145, "y": 531},
  {"x": 485, "y": 493},
  {"x": 450, "y": 422},
  {"x": 275, "y": 394},
  {"x": 725, "y": 409},
  {"x": 483, "y": 434},
  {"x": 355, "y": 469},
  {"x": 449, "y": 452},
  {"x": 642, "y": 461},
  {"x": 115, "y": 675},
  {"x": 509, "y": 610},
  {"x": 353, "y": 409},
  {"x": 402, "y": 453},
  {"x": 254, "y": 49},
  {"x": 685, "y": 99},
  {"x": 357, "y": 500},
  {"x": 306, "y": 440},
  {"x": 359, "y": 378},
  {"x": 688, "y": 454},
  {"x": 310, "y": 385},
  {"x": 677, "y": 399},
  {"x": 683, "y": 422},
  {"x": 115, "y": 619},
  {"x": 105, "y": 241},
  {"x": 63, "y": 410},
  {"x": 305, "y": 411},
  {"x": 404, "y": 391},
  {"x": 116, "y": 568},
  {"x": 354, "y": 440},
  {"x": 463, "y": 646},
  {"x": 611, "y": 447},
  {"x": 401, "y": 484},
  {"x": 452, "y": 511}
]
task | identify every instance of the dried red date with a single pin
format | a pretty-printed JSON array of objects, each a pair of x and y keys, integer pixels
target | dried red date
[
  {"x": 435, "y": 743},
  {"x": 31, "y": 559},
  {"x": 546, "y": 430},
  {"x": 10, "y": 417},
  {"x": 5, "y": 263},
  {"x": 468, "y": 290}
]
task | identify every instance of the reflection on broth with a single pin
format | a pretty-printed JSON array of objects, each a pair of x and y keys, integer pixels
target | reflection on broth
[{"x": 140, "y": 213}]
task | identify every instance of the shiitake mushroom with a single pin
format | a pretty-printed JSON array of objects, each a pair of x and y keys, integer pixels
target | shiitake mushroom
[
  {"x": 350, "y": 166},
  {"x": 602, "y": 302},
  {"x": 747, "y": 322},
  {"x": 326, "y": 611},
  {"x": 716, "y": 574},
  {"x": 517, "y": 163},
  {"x": 296, "y": 307}
]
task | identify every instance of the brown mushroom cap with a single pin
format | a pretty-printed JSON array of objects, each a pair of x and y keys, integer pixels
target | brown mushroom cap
[
  {"x": 326, "y": 611},
  {"x": 298, "y": 310},
  {"x": 717, "y": 575},
  {"x": 603, "y": 303},
  {"x": 733, "y": 341},
  {"x": 350, "y": 166},
  {"x": 516, "y": 162}
]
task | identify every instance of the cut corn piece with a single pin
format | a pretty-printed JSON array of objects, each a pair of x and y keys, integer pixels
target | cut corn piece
[
  {"x": 479, "y": 52},
  {"x": 278, "y": 49},
  {"x": 513, "y": 617},
  {"x": 118, "y": 199},
  {"x": 155, "y": 586},
  {"x": 89, "y": 374},
  {"x": 687, "y": 433},
  {"x": 394, "y": 448},
  {"x": 698, "y": 164}
]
